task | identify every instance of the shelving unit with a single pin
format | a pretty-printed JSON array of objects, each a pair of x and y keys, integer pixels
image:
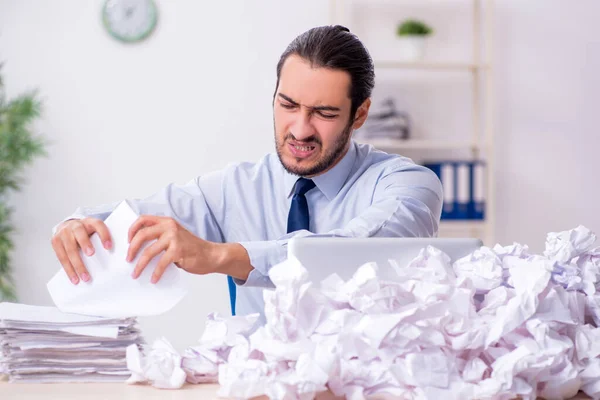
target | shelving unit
[
  {"x": 412, "y": 144},
  {"x": 430, "y": 65},
  {"x": 481, "y": 144}
]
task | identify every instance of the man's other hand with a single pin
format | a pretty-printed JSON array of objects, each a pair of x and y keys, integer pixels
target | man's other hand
[{"x": 73, "y": 235}]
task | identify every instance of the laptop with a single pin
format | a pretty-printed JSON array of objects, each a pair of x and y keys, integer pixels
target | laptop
[{"x": 323, "y": 256}]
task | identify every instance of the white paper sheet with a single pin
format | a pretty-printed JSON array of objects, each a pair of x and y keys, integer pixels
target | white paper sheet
[
  {"x": 112, "y": 292},
  {"x": 43, "y": 314},
  {"x": 41, "y": 319}
]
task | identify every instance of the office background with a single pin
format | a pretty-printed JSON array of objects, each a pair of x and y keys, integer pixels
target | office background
[{"x": 125, "y": 120}]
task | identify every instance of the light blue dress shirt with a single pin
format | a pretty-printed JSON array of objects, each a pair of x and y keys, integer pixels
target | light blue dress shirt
[{"x": 368, "y": 193}]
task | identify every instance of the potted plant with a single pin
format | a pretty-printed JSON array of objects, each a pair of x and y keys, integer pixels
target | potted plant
[
  {"x": 19, "y": 146},
  {"x": 412, "y": 34}
]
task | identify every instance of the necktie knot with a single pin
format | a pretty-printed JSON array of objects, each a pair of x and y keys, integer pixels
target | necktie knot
[{"x": 303, "y": 185}]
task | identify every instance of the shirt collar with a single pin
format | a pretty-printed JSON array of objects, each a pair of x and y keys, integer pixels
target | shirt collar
[{"x": 331, "y": 181}]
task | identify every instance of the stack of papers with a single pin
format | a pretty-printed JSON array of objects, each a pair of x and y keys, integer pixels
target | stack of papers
[{"x": 43, "y": 345}]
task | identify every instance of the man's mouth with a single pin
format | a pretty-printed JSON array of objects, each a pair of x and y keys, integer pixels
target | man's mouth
[
  {"x": 304, "y": 148},
  {"x": 301, "y": 150}
]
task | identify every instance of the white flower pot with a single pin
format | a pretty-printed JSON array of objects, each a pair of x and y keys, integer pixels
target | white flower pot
[{"x": 412, "y": 48}]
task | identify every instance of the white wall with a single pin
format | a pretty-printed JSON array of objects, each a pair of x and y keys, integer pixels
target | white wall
[
  {"x": 126, "y": 120},
  {"x": 548, "y": 58}
]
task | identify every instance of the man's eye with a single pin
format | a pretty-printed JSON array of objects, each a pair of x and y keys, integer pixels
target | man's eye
[
  {"x": 327, "y": 116},
  {"x": 287, "y": 106}
]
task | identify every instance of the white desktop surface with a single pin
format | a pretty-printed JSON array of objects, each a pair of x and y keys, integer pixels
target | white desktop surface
[{"x": 122, "y": 391}]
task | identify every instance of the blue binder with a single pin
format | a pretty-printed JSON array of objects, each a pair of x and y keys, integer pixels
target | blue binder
[
  {"x": 462, "y": 196},
  {"x": 445, "y": 172},
  {"x": 477, "y": 209}
]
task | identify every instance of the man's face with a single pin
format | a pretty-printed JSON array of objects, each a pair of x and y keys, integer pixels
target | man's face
[{"x": 312, "y": 117}]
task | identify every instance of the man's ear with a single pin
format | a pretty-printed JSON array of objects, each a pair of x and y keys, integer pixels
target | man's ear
[{"x": 361, "y": 114}]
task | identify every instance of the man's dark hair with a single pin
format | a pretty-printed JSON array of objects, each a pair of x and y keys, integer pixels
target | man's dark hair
[{"x": 336, "y": 48}]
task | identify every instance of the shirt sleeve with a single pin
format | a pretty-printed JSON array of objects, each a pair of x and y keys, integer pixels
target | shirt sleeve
[
  {"x": 406, "y": 203},
  {"x": 197, "y": 205}
]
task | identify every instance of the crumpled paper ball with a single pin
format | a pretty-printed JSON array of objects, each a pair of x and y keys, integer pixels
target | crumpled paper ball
[
  {"x": 499, "y": 323},
  {"x": 159, "y": 365}
]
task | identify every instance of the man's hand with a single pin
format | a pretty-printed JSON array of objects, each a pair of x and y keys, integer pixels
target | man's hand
[
  {"x": 73, "y": 235},
  {"x": 181, "y": 247}
]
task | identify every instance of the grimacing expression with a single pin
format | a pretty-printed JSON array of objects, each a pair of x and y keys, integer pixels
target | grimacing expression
[{"x": 312, "y": 117}]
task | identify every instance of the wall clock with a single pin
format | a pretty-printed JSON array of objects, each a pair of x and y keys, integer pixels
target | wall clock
[{"x": 129, "y": 20}]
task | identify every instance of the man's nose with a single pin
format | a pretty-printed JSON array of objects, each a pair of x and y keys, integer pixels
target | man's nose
[{"x": 303, "y": 128}]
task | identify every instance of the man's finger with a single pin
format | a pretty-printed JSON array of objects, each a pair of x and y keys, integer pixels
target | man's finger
[
  {"x": 72, "y": 249},
  {"x": 162, "y": 265},
  {"x": 152, "y": 251},
  {"x": 95, "y": 225},
  {"x": 141, "y": 222},
  {"x": 83, "y": 239},
  {"x": 59, "y": 249},
  {"x": 142, "y": 236}
]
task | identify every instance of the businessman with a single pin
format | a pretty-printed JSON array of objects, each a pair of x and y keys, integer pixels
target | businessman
[{"x": 237, "y": 221}]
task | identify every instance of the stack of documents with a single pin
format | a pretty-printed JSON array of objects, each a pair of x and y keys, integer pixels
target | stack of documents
[
  {"x": 385, "y": 121},
  {"x": 43, "y": 345}
]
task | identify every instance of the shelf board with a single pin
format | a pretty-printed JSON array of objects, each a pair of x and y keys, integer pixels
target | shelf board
[
  {"x": 425, "y": 144},
  {"x": 449, "y": 66},
  {"x": 462, "y": 225}
]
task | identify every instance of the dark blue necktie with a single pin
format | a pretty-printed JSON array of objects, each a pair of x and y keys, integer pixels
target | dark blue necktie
[{"x": 298, "y": 219}]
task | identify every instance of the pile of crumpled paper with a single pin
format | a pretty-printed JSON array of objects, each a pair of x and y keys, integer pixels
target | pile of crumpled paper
[{"x": 499, "y": 323}]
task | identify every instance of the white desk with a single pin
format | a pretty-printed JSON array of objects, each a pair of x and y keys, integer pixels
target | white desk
[
  {"x": 103, "y": 391},
  {"x": 110, "y": 391},
  {"x": 122, "y": 391}
]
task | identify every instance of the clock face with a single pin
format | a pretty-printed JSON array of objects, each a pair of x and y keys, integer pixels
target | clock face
[{"x": 129, "y": 20}]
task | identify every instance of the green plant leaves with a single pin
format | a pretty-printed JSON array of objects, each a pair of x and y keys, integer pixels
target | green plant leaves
[
  {"x": 413, "y": 27},
  {"x": 19, "y": 146}
]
